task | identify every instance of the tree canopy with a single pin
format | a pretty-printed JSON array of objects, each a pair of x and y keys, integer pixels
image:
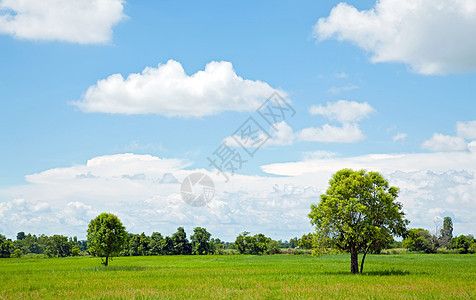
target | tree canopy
[
  {"x": 106, "y": 236},
  {"x": 358, "y": 212}
]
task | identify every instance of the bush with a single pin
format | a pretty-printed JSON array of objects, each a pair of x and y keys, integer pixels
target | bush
[
  {"x": 16, "y": 254},
  {"x": 443, "y": 250},
  {"x": 394, "y": 251}
]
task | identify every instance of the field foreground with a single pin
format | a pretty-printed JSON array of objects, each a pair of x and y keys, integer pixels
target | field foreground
[{"x": 260, "y": 277}]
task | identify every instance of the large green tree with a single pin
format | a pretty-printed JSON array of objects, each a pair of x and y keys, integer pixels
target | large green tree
[
  {"x": 358, "y": 213},
  {"x": 106, "y": 236}
]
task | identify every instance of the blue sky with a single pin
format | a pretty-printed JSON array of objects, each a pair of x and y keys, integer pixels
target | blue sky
[{"x": 369, "y": 92}]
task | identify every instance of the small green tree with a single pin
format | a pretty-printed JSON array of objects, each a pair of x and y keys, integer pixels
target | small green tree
[
  {"x": 294, "y": 242},
  {"x": 258, "y": 244},
  {"x": 446, "y": 232},
  {"x": 138, "y": 244},
  {"x": 200, "y": 241},
  {"x": 181, "y": 244},
  {"x": 463, "y": 243},
  {"x": 168, "y": 246},
  {"x": 6, "y": 247},
  {"x": 156, "y": 243},
  {"x": 305, "y": 242},
  {"x": 240, "y": 242},
  {"x": 58, "y": 246},
  {"x": 419, "y": 239},
  {"x": 358, "y": 211},
  {"x": 106, "y": 236}
]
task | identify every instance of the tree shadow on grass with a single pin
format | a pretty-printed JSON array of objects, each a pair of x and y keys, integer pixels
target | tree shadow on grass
[
  {"x": 373, "y": 273},
  {"x": 118, "y": 268}
]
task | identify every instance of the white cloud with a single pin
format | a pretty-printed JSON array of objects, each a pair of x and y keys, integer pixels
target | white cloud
[
  {"x": 281, "y": 135},
  {"x": 61, "y": 201},
  {"x": 445, "y": 143},
  {"x": 168, "y": 90},
  {"x": 343, "y": 110},
  {"x": 466, "y": 129},
  {"x": 84, "y": 21},
  {"x": 339, "y": 89},
  {"x": 432, "y": 36},
  {"x": 399, "y": 137},
  {"x": 348, "y": 133},
  {"x": 441, "y": 183},
  {"x": 152, "y": 201},
  {"x": 341, "y": 75}
]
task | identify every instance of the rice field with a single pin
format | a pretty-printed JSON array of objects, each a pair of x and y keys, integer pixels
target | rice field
[{"x": 408, "y": 276}]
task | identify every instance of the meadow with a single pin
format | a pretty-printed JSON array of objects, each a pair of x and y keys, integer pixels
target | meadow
[{"x": 408, "y": 276}]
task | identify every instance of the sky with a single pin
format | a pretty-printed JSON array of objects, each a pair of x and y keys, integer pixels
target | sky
[{"x": 109, "y": 105}]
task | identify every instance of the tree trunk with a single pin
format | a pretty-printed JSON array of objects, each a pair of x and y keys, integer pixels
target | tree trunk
[
  {"x": 354, "y": 261},
  {"x": 105, "y": 264},
  {"x": 362, "y": 264}
]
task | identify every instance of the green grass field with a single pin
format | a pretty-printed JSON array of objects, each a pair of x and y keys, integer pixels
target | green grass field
[{"x": 416, "y": 276}]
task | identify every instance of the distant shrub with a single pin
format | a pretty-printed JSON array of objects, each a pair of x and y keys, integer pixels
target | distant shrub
[
  {"x": 296, "y": 251},
  {"x": 394, "y": 251},
  {"x": 34, "y": 255},
  {"x": 443, "y": 250}
]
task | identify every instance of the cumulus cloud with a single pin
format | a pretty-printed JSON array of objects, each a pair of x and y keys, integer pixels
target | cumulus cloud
[
  {"x": 84, "y": 22},
  {"x": 167, "y": 90},
  {"x": 399, "y": 137},
  {"x": 466, "y": 130},
  {"x": 144, "y": 191},
  {"x": 387, "y": 163},
  {"x": 431, "y": 184},
  {"x": 343, "y": 110},
  {"x": 348, "y": 133},
  {"x": 432, "y": 36},
  {"x": 60, "y": 201},
  {"x": 445, "y": 143},
  {"x": 348, "y": 113}
]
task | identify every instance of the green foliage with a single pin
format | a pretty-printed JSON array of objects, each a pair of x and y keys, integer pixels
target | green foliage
[
  {"x": 446, "y": 234},
  {"x": 257, "y": 244},
  {"x": 217, "y": 246},
  {"x": 273, "y": 247},
  {"x": 294, "y": 242},
  {"x": 358, "y": 212},
  {"x": 6, "y": 247},
  {"x": 419, "y": 240},
  {"x": 156, "y": 240},
  {"x": 306, "y": 241},
  {"x": 200, "y": 241},
  {"x": 240, "y": 242},
  {"x": 58, "y": 246},
  {"x": 463, "y": 243},
  {"x": 106, "y": 236},
  {"x": 168, "y": 246},
  {"x": 16, "y": 254},
  {"x": 181, "y": 245},
  {"x": 20, "y": 236},
  {"x": 138, "y": 244}
]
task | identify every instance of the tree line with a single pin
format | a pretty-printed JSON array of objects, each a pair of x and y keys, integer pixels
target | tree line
[
  {"x": 442, "y": 241},
  {"x": 201, "y": 242}
]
